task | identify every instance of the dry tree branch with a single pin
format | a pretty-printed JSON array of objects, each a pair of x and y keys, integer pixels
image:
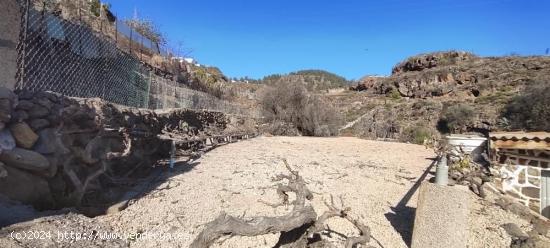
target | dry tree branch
[{"x": 299, "y": 228}]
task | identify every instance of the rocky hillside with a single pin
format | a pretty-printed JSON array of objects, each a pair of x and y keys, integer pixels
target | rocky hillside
[
  {"x": 315, "y": 80},
  {"x": 440, "y": 92}
]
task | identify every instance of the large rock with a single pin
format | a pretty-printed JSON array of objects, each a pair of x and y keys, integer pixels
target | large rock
[
  {"x": 49, "y": 143},
  {"x": 26, "y": 188},
  {"x": 24, "y": 136},
  {"x": 25, "y": 159},
  {"x": 38, "y": 111},
  {"x": 38, "y": 124}
]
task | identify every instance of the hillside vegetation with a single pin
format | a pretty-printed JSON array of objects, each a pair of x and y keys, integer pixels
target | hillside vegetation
[
  {"x": 313, "y": 80},
  {"x": 450, "y": 92}
]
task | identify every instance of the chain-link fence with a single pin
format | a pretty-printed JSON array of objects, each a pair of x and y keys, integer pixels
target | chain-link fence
[{"x": 75, "y": 53}]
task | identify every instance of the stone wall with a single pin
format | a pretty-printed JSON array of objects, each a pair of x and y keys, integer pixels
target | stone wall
[
  {"x": 9, "y": 36},
  {"x": 520, "y": 174},
  {"x": 57, "y": 151}
]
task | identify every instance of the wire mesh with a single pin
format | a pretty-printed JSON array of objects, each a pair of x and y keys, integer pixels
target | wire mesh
[{"x": 81, "y": 57}]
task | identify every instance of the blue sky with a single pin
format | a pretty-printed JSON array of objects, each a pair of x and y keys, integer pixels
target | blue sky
[{"x": 352, "y": 38}]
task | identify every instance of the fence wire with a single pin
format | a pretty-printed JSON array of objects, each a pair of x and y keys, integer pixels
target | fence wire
[{"x": 72, "y": 58}]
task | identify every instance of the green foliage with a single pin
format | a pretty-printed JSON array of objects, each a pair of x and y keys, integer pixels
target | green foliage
[
  {"x": 334, "y": 80},
  {"x": 531, "y": 110},
  {"x": 458, "y": 117},
  {"x": 95, "y": 7},
  {"x": 416, "y": 134},
  {"x": 394, "y": 94},
  {"x": 313, "y": 79}
]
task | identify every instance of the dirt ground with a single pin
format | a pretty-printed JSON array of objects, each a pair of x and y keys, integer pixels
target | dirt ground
[{"x": 378, "y": 180}]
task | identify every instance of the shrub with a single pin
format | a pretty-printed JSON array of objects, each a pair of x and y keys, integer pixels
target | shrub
[
  {"x": 457, "y": 118},
  {"x": 416, "y": 134},
  {"x": 531, "y": 110},
  {"x": 293, "y": 104},
  {"x": 394, "y": 94}
]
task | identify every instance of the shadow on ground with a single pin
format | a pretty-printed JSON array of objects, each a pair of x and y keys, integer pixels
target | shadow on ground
[
  {"x": 13, "y": 212},
  {"x": 401, "y": 216}
]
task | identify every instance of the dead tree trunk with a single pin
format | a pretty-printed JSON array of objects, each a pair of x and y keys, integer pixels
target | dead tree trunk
[{"x": 299, "y": 228}]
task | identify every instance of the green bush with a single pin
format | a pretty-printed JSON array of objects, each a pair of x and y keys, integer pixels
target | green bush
[
  {"x": 458, "y": 117},
  {"x": 416, "y": 134},
  {"x": 531, "y": 110},
  {"x": 394, "y": 94}
]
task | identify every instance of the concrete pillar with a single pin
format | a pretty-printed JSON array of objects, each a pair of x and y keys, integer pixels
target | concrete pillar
[
  {"x": 10, "y": 23},
  {"x": 441, "y": 218}
]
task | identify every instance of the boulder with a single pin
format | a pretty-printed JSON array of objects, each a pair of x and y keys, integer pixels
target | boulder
[
  {"x": 48, "y": 142},
  {"x": 27, "y": 188},
  {"x": 7, "y": 142},
  {"x": 38, "y": 124},
  {"x": 25, "y": 159},
  {"x": 24, "y": 136}
]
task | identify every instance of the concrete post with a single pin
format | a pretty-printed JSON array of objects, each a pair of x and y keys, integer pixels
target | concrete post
[{"x": 10, "y": 24}]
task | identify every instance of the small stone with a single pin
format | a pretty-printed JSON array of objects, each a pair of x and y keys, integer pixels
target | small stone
[
  {"x": 7, "y": 142},
  {"x": 477, "y": 180},
  {"x": 24, "y": 105},
  {"x": 38, "y": 111},
  {"x": 51, "y": 96},
  {"x": 531, "y": 192},
  {"x": 39, "y": 124},
  {"x": 44, "y": 102},
  {"x": 25, "y": 159},
  {"x": 24, "y": 136},
  {"x": 513, "y": 230},
  {"x": 5, "y": 110}
]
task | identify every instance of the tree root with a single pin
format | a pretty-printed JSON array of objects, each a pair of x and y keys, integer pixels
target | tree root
[{"x": 301, "y": 227}]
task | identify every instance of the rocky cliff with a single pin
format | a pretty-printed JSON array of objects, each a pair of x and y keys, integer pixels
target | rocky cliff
[{"x": 441, "y": 92}]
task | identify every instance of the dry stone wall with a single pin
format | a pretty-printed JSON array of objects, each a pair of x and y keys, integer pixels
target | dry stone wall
[{"x": 58, "y": 151}]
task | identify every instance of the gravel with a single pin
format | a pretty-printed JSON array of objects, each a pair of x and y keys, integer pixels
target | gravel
[{"x": 378, "y": 180}]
